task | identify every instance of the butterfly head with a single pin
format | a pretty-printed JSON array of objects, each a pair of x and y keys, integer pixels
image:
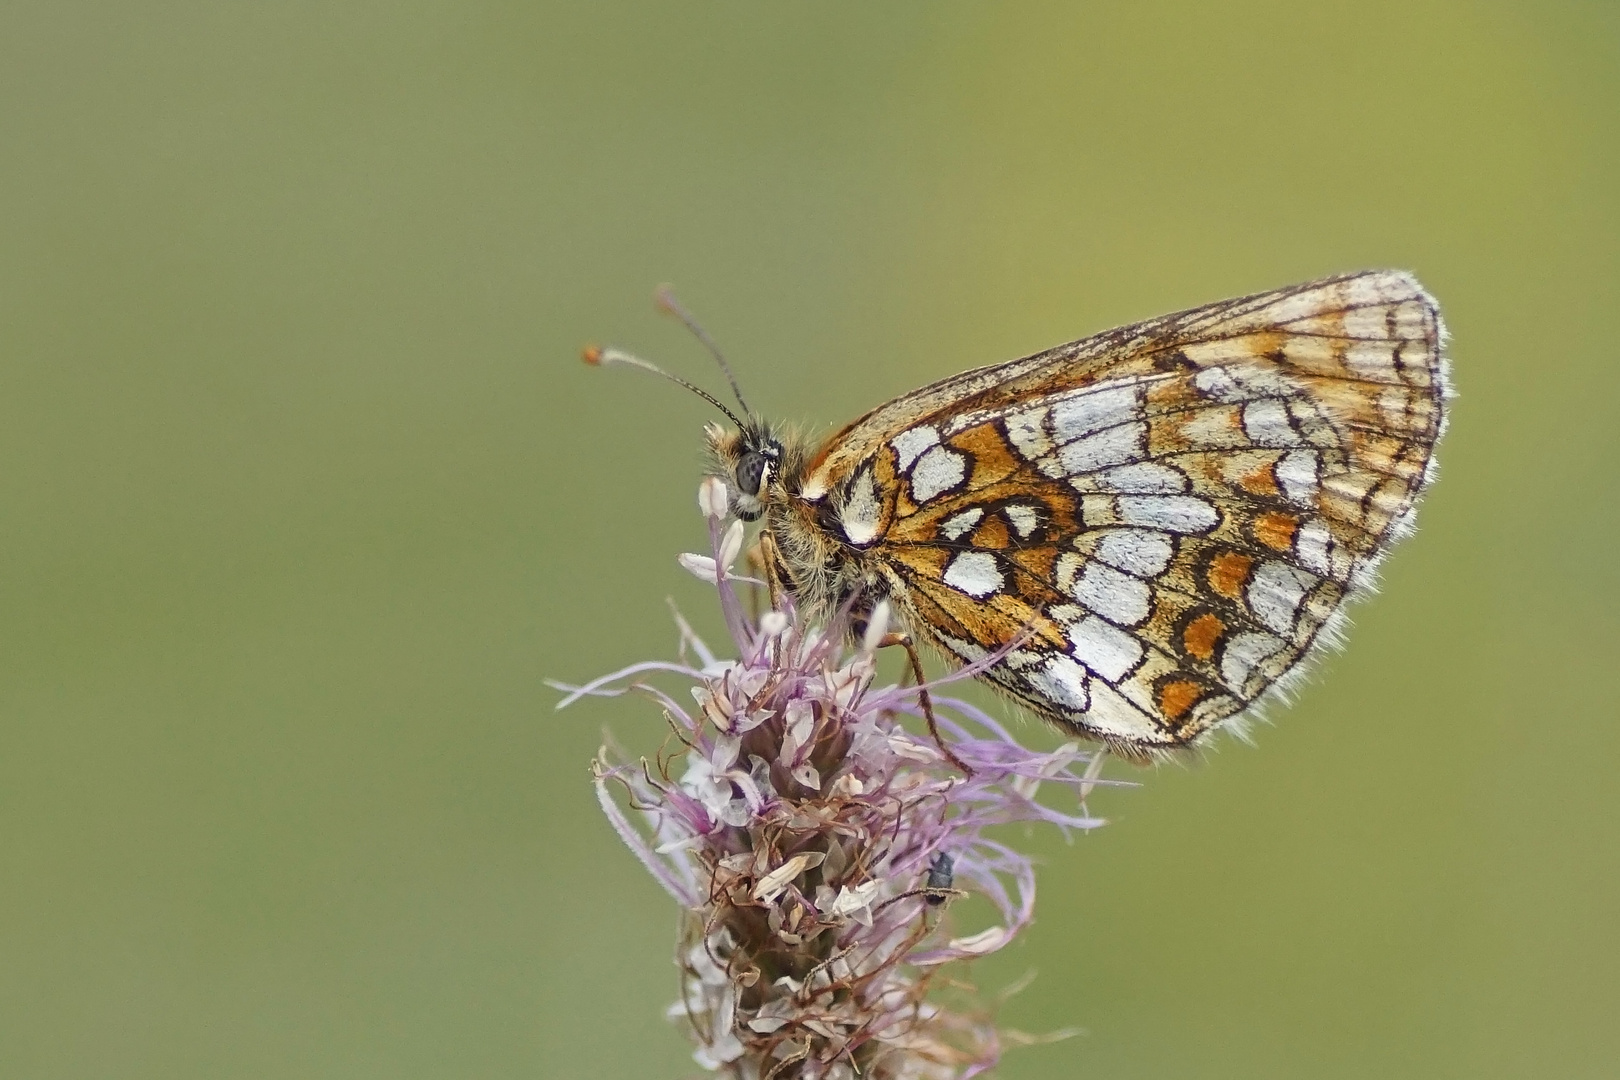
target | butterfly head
[{"x": 750, "y": 462}]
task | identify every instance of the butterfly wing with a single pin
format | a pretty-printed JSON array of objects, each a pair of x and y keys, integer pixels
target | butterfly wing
[{"x": 1175, "y": 512}]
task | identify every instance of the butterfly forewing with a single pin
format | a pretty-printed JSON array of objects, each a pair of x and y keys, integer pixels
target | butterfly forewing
[{"x": 1172, "y": 514}]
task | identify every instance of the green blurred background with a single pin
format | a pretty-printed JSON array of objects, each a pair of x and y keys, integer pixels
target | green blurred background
[{"x": 303, "y": 492}]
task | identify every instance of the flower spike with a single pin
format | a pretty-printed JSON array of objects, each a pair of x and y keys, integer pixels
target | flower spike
[{"x": 812, "y": 842}]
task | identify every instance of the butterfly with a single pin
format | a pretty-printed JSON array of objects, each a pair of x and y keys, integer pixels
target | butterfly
[{"x": 1150, "y": 530}]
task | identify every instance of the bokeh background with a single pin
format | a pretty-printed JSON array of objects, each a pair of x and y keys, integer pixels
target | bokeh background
[{"x": 303, "y": 494}]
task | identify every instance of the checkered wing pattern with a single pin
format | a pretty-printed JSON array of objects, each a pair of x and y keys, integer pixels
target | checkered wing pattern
[{"x": 1171, "y": 516}]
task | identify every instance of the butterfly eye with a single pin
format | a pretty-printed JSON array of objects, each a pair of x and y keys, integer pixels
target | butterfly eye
[{"x": 750, "y": 471}]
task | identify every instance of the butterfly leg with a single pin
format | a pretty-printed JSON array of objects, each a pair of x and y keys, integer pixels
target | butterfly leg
[
  {"x": 923, "y": 698},
  {"x": 770, "y": 562},
  {"x": 759, "y": 566}
]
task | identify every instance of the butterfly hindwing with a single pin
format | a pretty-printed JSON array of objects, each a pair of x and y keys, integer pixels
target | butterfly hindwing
[{"x": 1173, "y": 513}]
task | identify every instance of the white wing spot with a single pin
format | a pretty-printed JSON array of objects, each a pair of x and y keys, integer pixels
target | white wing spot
[
  {"x": 1144, "y": 478},
  {"x": 1312, "y": 544},
  {"x": 1066, "y": 613},
  {"x": 1241, "y": 655},
  {"x": 1296, "y": 472},
  {"x": 1145, "y": 554},
  {"x": 1093, "y": 410},
  {"x": 1117, "y": 597},
  {"x": 937, "y": 470},
  {"x": 1112, "y": 713},
  {"x": 1173, "y": 513},
  {"x": 1062, "y": 680},
  {"x": 1266, "y": 422},
  {"x": 1027, "y": 430},
  {"x": 862, "y": 513},
  {"x": 1243, "y": 384},
  {"x": 910, "y": 443},
  {"x": 1105, "y": 649},
  {"x": 1024, "y": 520},
  {"x": 958, "y": 525},
  {"x": 1274, "y": 595},
  {"x": 1111, "y": 446},
  {"x": 1068, "y": 570},
  {"x": 1217, "y": 383},
  {"x": 975, "y": 573}
]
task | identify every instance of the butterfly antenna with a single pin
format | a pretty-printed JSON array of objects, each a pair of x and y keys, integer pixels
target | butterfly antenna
[
  {"x": 596, "y": 356},
  {"x": 665, "y": 298}
]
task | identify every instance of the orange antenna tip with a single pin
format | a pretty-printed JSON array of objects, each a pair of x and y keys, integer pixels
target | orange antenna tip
[{"x": 592, "y": 355}]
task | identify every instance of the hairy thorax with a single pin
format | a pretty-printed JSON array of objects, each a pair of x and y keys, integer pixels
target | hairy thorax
[{"x": 822, "y": 574}]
